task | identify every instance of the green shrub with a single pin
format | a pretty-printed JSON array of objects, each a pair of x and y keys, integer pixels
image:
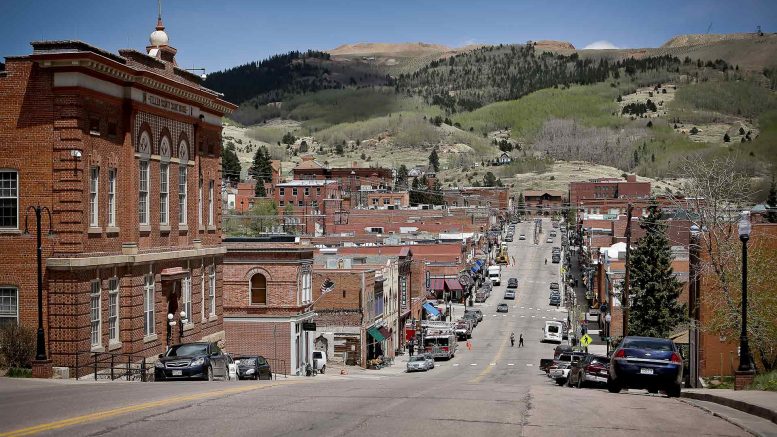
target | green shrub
[
  {"x": 17, "y": 345},
  {"x": 16, "y": 372},
  {"x": 765, "y": 381}
]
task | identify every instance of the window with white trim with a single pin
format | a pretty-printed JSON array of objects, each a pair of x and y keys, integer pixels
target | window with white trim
[
  {"x": 111, "y": 197},
  {"x": 202, "y": 292},
  {"x": 199, "y": 202},
  {"x": 186, "y": 293},
  {"x": 9, "y": 306},
  {"x": 113, "y": 310},
  {"x": 94, "y": 200},
  {"x": 211, "y": 185},
  {"x": 306, "y": 285},
  {"x": 212, "y": 289},
  {"x": 96, "y": 314},
  {"x": 143, "y": 193},
  {"x": 148, "y": 305},
  {"x": 164, "y": 192},
  {"x": 9, "y": 199},
  {"x": 182, "y": 193}
]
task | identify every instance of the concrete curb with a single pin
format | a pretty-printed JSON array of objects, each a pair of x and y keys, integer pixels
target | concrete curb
[
  {"x": 736, "y": 423},
  {"x": 754, "y": 410}
]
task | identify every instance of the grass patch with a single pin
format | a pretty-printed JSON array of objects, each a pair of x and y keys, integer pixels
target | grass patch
[
  {"x": 592, "y": 104},
  {"x": 527, "y": 164},
  {"x": 663, "y": 153},
  {"x": 707, "y": 102},
  {"x": 764, "y": 148},
  {"x": 19, "y": 372},
  {"x": 765, "y": 381},
  {"x": 269, "y": 134}
]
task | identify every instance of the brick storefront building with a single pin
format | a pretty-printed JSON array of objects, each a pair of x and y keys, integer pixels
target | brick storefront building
[
  {"x": 608, "y": 188},
  {"x": 353, "y": 182},
  {"x": 267, "y": 297},
  {"x": 123, "y": 150}
]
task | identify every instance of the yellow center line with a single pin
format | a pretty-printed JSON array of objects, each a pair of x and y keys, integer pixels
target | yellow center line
[
  {"x": 498, "y": 355},
  {"x": 105, "y": 414}
]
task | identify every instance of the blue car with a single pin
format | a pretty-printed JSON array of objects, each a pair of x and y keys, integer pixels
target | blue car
[{"x": 646, "y": 363}]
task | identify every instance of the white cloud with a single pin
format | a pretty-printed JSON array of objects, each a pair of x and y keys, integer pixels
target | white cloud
[{"x": 600, "y": 45}]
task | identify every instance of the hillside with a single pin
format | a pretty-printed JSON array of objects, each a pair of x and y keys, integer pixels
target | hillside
[{"x": 394, "y": 58}]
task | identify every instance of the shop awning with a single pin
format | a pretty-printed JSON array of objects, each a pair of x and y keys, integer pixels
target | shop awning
[
  {"x": 431, "y": 309},
  {"x": 453, "y": 285},
  {"x": 437, "y": 284},
  {"x": 475, "y": 268},
  {"x": 376, "y": 334},
  {"x": 384, "y": 332}
]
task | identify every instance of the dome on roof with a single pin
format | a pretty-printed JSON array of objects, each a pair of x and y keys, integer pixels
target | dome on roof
[{"x": 158, "y": 38}]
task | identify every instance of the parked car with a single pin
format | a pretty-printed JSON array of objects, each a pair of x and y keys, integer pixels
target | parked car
[
  {"x": 473, "y": 317},
  {"x": 253, "y": 367},
  {"x": 502, "y": 308},
  {"x": 560, "y": 372},
  {"x": 231, "y": 368},
  {"x": 200, "y": 360},
  {"x": 417, "y": 363},
  {"x": 522, "y": 237},
  {"x": 561, "y": 349},
  {"x": 648, "y": 363},
  {"x": 554, "y": 285},
  {"x": 591, "y": 370},
  {"x": 549, "y": 240},
  {"x": 319, "y": 358},
  {"x": 430, "y": 360},
  {"x": 509, "y": 238},
  {"x": 463, "y": 329},
  {"x": 475, "y": 311},
  {"x": 555, "y": 300}
]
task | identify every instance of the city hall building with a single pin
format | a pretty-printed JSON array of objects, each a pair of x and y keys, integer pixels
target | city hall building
[{"x": 121, "y": 152}]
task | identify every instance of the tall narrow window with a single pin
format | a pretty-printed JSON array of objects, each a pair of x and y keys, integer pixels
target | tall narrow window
[
  {"x": 199, "y": 202},
  {"x": 212, "y": 289},
  {"x": 113, "y": 310},
  {"x": 203, "y": 307},
  {"x": 182, "y": 193},
  {"x": 96, "y": 317},
  {"x": 148, "y": 305},
  {"x": 112, "y": 197},
  {"x": 143, "y": 194},
  {"x": 210, "y": 202},
  {"x": 186, "y": 293},
  {"x": 258, "y": 291},
  {"x": 94, "y": 200},
  {"x": 9, "y": 306},
  {"x": 164, "y": 192},
  {"x": 9, "y": 199}
]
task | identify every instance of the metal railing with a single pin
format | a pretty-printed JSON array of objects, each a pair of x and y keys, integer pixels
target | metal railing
[
  {"x": 275, "y": 365},
  {"x": 113, "y": 366}
]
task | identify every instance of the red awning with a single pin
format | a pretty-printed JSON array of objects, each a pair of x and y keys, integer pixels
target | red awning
[
  {"x": 386, "y": 333},
  {"x": 437, "y": 284},
  {"x": 174, "y": 273},
  {"x": 453, "y": 285}
]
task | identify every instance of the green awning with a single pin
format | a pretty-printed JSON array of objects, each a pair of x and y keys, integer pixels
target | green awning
[{"x": 375, "y": 333}]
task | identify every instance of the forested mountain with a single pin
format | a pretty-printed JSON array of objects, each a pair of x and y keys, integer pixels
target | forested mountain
[
  {"x": 489, "y": 74},
  {"x": 288, "y": 74}
]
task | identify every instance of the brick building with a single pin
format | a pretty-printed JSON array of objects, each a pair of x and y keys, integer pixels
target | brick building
[
  {"x": 267, "y": 298},
  {"x": 608, "y": 188},
  {"x": 537, "y": 200},
  {"x": 123, "y": 150},
  {"x": 492, "y": 197},
  {"x": 305, "y": 204},
  {"x": 353, "y": 182},
  {"x": 387, "y": 199}
]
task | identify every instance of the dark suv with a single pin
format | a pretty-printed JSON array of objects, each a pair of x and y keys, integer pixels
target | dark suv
[
  {"x": 253, "y": 367},
  {"x": 199, "y": 360},
  {"x": 646, "y": 363}
]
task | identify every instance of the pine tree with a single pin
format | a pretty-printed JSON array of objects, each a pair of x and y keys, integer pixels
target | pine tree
[
  {"x": 655, "y": 311},
  {"x": 771, "y": 202},
  {"x": 489, "y": 180},
  {"x": 521, "y": 205},
  {"x": 230, "y": 164},
  {"x": 402, "y": 176},
  {"x": 261, "y": 170},
  {"x": 434, "y": 160}
]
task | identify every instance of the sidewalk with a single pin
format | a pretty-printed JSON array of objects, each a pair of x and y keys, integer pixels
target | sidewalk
[{"x": 760, "y": 407}]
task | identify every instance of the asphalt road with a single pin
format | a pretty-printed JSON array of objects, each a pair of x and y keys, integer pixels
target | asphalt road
[{"x": 492, "y": 390}]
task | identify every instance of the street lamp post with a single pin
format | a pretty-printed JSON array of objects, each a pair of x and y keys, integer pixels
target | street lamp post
[
  {"x": 607, "y": 320},
  {"x": 744, "y": 349},
  {"x": 180, "y": 329},
  {"x": 40, "y": 349},
  {"x": 170, "y": 324}
]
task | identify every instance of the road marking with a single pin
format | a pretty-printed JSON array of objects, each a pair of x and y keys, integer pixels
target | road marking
[
  {"x": 473, "y": 364},
  {"x": 543, "y": 317},
  {"x": 455, "y": 364},
  {"x": 523, "y": 316},
  {"x": 494, "y": 315},
  {"x": 492, "y": 364},
  {"x": 510, "y": 364},
  {"x": 523, "y": 307},
  {"x": 533, "y": 316},
  {"x": 504, "y": 315},
  {"x": 105, "y": 414},
  {"x": 529, "y": 364}
]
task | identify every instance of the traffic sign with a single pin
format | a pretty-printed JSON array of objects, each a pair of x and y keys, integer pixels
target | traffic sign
[{"x": 586, "y": 340}]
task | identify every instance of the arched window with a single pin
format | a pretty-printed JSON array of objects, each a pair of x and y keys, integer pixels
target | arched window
[{"x": 258, "y": 290}]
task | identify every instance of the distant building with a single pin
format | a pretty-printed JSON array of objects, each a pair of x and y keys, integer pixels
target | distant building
[
  {"x": 608, "y": 188},
  {"x": 353, "y": 182},
  {"x": 504, "y": 159},
  {"x": 547, "y": 200}
]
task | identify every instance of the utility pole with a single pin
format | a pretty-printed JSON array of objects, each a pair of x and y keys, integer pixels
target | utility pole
[{"x": 625, "y": 300}]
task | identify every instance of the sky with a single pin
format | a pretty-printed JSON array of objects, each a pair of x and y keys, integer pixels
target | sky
[{"x": 220, "y": 34}]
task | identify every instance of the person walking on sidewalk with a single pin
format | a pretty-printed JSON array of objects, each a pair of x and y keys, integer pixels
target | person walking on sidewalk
[
  {"x": 520, "y": 340},
  {"x": 512, "y": 339}
]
